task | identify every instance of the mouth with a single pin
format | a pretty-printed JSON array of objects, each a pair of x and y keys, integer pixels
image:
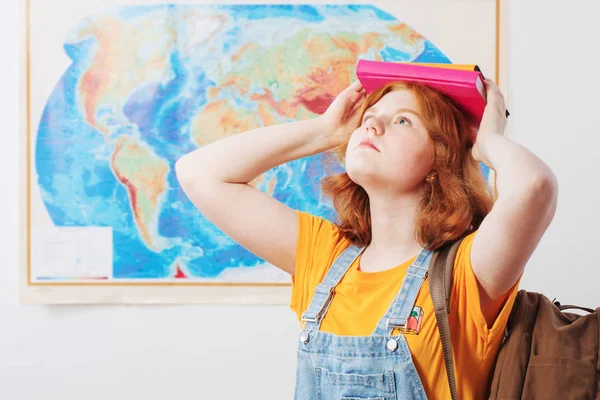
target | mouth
[{"x": 368, "y": 144}]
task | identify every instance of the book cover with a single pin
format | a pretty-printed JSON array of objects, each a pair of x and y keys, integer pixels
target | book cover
[{"x": 463, "y": 84}]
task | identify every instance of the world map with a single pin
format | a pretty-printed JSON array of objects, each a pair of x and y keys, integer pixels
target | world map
[{"x": 148, "y": 84}]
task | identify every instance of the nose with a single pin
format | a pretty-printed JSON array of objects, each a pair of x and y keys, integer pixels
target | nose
[{"x": 373, "y": 126}]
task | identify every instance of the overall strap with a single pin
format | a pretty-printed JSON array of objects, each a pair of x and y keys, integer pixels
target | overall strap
[
  {"x": 402, "y": 306},
  {"x": 323, "y": 295}
]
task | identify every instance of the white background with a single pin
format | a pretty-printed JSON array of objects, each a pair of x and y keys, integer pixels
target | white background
[{"x": 232, "y": 352}]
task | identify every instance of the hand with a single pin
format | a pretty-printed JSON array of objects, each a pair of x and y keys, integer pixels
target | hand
[
  {"x": 342, "y": 115},
  {"x": 494, "y": 115}
]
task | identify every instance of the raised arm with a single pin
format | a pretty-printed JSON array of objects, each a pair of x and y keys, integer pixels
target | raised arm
[
  {"x": 216, "y": 178},
  {"x": 527, "y": 195}
]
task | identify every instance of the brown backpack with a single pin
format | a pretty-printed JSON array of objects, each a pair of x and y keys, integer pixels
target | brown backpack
[{"x": 546, "y": 353}]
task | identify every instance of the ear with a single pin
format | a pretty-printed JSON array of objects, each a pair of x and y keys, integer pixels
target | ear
[
  {"x": 473, "y": 133},
  {"x": 473, "y": 129}
]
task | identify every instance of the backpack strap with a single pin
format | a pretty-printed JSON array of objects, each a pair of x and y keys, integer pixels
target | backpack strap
[
  {"x": 440, "y": 285},
  {"x": 570, "y": 307}
]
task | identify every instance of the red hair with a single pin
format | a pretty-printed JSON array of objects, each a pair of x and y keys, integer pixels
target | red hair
[{"x": 454, "y": 204}]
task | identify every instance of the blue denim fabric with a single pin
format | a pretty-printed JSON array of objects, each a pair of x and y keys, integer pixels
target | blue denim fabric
[{"x": 376, "y": 367}]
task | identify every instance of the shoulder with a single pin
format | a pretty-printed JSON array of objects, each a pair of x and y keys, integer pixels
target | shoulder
[
  {"x": 463, "y": 255},
  {"x": 466, "y": 298},
  {"x": 320, "y": 242},
  {"x": 310, "y": 225}
]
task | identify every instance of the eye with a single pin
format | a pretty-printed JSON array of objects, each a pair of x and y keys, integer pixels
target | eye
[{"x": 403, "y": 119}]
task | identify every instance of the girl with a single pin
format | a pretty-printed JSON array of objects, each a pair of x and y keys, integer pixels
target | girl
[{"x": 412, "y": 184}]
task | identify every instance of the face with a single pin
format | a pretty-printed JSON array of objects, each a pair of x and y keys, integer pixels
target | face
[{"x": 391, "y": 148}]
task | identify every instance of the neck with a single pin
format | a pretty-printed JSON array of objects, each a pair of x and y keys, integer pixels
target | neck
[{"x": 393, "y": 225}]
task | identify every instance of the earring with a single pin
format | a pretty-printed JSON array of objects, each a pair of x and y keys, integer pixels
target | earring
[{"x": 431, "y": 177}]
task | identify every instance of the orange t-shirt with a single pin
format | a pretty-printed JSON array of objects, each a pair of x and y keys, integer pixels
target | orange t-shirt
[{"x": 362, "y": 298}]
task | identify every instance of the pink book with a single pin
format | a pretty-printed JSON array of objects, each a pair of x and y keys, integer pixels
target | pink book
[{"x": 465, "y": 88}]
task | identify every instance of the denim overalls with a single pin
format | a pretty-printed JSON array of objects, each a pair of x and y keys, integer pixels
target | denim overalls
[{"x": 376, "y": 367}]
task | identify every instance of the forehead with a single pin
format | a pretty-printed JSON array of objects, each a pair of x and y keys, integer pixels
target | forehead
[{"x": 401, "y": 98}]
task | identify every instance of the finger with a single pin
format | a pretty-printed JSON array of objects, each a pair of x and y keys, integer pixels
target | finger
[
  {"x": 356, "y": 86},
  {"x": 360, "y": 95},
  {"x": 490, "y": 85},
  {"x": 502, "y": 96},
  {"x": 356, "y": 97}
]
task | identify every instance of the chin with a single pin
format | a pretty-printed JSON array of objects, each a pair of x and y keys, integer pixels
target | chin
[
  {"x": 363, "y": 175},
  {"x": 370, "y": 179}
]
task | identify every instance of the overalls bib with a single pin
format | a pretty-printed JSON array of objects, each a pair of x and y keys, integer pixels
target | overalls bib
[{"x": 376, "y": 367}]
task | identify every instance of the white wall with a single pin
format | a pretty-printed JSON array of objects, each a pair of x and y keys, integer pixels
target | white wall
[
  {"x": 153, "y": 352},
  {"x": 555, "y": 99}
]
